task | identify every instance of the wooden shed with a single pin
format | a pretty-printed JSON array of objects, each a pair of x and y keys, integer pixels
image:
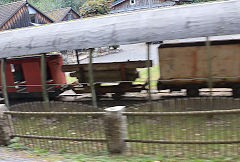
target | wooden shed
[
  {"x": 63, "y": 14},
  {"x": 21, "y": 14}
]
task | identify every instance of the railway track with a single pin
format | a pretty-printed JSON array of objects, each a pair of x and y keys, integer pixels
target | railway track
[{"x": 131, "y": 98}]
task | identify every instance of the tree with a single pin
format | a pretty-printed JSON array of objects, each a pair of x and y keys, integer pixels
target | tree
[
  {"x": 47, "y": 5},
  {"x": 75, "y": 4},
  {"x": 95, "y": 7},
  {"x": 6, "y": 1}
]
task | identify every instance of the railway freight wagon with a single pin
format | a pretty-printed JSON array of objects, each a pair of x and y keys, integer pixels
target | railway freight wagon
[
  {"x": 186, "y": 66},
  {"x": 23, "y": 77},
  {"x": 122, "y": 74}
]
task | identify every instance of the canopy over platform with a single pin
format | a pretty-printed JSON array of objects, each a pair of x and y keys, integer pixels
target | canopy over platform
[{"x": 209, "y": 19}]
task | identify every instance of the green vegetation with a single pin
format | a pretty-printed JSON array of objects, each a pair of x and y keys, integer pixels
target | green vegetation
[
  {"x": 86, "y": 8},
  {"x": 17, "y": 145},
  {"x": 47, "y": 156},
  {"x": 154, "y": 74},
  {"x": 197, "y": 1},
  {"x": 46, "y": 5},
  {"x": 142, "y": 158},
  {"x": 6, "y": 1},
  {"x": 70, "y": 79},
  {"x": 177, "y": 128},
  {"x": 95, "y": 7}
]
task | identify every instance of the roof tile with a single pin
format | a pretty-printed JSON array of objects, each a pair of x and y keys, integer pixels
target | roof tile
[
  {"x": 8, "y": 10},
  {"x": 58, "y": 14}
]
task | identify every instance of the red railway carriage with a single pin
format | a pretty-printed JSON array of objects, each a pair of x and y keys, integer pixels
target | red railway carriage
[{"x": 23, "y": 77}]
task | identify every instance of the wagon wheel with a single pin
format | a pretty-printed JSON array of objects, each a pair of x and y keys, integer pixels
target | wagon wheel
[
  {"x": 98, "y": 97},
  {"x": 236, "y": 92},
  {"x": 117, "y": 96}
]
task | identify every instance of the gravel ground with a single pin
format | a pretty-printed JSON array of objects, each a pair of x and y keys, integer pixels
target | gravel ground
[
  {"x": 7, "y": 155},
  {"x": 132, "y": 52}
]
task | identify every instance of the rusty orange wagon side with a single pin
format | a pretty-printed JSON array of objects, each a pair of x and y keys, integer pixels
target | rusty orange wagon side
[
  {"x": 23, "y": 77},
  {"x": 184, "y": 65}
]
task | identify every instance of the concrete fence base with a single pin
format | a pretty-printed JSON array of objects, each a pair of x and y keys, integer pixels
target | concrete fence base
[
  {"x": 115, "y": 129},
  {"x": 5, "y": 130}
]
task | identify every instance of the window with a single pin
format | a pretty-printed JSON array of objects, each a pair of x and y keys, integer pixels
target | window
[
  {"x": 132, "y": 2},
  {"x": 49, "y": 76},
  {"x": 32, "y": 12},
  {"x": 70, "y": 16},
  {"x": 33, "y": 18},
  {"x": 17, "y": 71}
]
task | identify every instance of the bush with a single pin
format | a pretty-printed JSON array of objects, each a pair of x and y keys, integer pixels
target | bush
[
  {"x": 95, "y": 7},
  {"x": 16, "y": 145}
]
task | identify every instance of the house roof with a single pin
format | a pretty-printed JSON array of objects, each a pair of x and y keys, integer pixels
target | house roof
[
  {"x": 116, "y": 2},
  {"x": 39, "y": 11},
  {"x": 59, "y": 14},
  {"x": 163, "y": 4},
  {"x": 7, "y": 11}
]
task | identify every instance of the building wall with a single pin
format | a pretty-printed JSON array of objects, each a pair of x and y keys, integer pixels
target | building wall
[
  {"x": 75, "y": 16},
  {"x": 22, "y": 19},
  {"x": 139, "y": 4},
  {"x": 41, "y": 19},
  {"x": 19, "y": 20}
]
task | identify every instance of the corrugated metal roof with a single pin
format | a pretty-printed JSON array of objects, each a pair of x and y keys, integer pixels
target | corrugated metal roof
[
  {"x": 8, "y": 10},
  {"x": 59, "y": 14}
]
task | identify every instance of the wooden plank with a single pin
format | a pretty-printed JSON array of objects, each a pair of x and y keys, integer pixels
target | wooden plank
[
  {"x": 106, "y": 66},
  {"x": 209, "y": 62},
  {"x": 199, "y": 20},
  {"x": 192, "y": 62}
]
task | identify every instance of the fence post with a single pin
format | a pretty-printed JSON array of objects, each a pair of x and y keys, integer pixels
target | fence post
[
  {"x": 5, "y": 130},
  {"x": 115, "y": 129},
  {"x": 91, "y": 78},
  {"x": 44, "y": 80},
  {"x": 149, "y": 76}
]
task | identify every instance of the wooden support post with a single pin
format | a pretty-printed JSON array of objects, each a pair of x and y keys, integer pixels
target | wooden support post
[
  {"x": 149, "y": 75},
  {"x": 91, "y": 78},
  {"x": 115, "y": 125},
  {"x": 150, "y": 3},
  {"x": 209, "y": 62},
  {"x": 4, "y": 82},
  {"x": 76, "y": 51},
  {"x": 44, "y": 79},
  {"x": 123, "y": 73}
]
